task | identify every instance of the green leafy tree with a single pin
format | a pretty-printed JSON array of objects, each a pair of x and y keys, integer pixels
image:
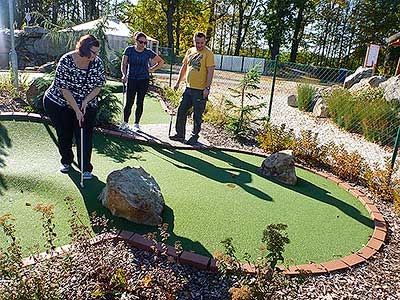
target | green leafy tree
[{"x": 276, "y": 17}]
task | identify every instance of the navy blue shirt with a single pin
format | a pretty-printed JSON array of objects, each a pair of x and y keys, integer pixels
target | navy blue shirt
[{"x": 139, "y": 62}]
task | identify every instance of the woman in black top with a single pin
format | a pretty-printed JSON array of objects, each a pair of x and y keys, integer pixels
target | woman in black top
[
  {"x": 138, "y": 59},
  {"x": 71, "y": 100}
]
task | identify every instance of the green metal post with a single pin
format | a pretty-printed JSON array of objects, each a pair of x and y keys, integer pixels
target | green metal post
[
  {"x": 396, "y": 147},
  {"x": 273, "y": 86}
]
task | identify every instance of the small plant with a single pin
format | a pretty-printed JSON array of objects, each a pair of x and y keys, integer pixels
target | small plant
[
  {"x": 48, "y": 225},
  {"x": 276, "y": 138},
  {"x": 216, "y": 113},
  {"x": 380, "y": 118},
  {"x": 173, "y": 97},
  {"x": 307, "y": 149},
  {"x": 242, "y": 115},
  {"x": 108, "y": 108},
  {"x": 267, "y": 279},
  {"x": 305, "y": 96}
]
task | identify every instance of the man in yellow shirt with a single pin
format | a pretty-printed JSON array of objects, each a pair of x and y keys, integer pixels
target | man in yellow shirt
[{"x": 198, "y": 66}]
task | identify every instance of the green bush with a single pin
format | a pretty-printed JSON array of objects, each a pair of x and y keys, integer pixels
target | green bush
[
  {"x": 274, "y": 139},
  {"x": 267, "y": 280},
  {"x": 215, "y": 113},
  {"x": 173, "y": 97},
  {"x": 305, "y": 96},
  {"x": 107, "y": 110}
]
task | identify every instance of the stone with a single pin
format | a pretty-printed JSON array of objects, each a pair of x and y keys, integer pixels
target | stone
[
  {"x": 133, "y": 194},
  {"x": 320, "y": 109},
  {"x": 48, "y": 67},
  {"x": 356, "y": 77},
  {"x": 391, "y": 88},
  {"x": 280, "y": 166},
  {"x": 367, "y": 83},
  {"x": 292, "y": 100}
]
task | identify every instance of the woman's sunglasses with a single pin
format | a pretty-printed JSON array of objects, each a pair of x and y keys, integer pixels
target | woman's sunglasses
[{"x": 142, "y": 42}]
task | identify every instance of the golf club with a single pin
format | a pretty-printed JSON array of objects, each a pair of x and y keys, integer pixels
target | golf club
[
  {"x": 170, "y": 123},
  {"x": 82, "y": 185},
  {"x": 123, "y": 99}
]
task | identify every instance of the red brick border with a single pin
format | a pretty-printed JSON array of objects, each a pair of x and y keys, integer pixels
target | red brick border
[{"x": 374, "y": 244}]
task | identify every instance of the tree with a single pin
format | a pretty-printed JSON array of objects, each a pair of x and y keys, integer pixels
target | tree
[
  {"x": 276, "y": 17},
  {"x": 305, "y": 11},
  {"x": 246, "y": 11}
]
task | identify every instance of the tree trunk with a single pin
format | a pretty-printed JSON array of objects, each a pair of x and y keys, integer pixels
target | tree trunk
[
  {"x": 211, "y": 20},
  {"x": 298, "y": 33},
  {"x": 169, "y": 6}
]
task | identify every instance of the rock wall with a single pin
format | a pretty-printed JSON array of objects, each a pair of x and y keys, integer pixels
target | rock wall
[{"x": 33, "y": 47}]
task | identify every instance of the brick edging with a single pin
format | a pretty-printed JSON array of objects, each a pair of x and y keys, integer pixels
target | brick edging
[{"x": 371, "y": 248}]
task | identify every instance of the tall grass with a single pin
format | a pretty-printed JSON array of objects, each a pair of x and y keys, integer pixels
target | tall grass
[
  {"x": 367, "y": 113},
  {"x": 305, "y": 96}
]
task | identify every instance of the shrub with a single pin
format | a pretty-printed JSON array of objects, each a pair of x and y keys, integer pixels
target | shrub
[
  {"x": 349, "y": 166},
  {"x": 108, "y": 108},
  {"x": 274, "y": 138},
  {"x": 308, "y": 150},
  {"x": 341, "y": 107},
  {"x": 267, "y": 279},
  {"x": 305, "y": 96},
  {"x": 216, "y": 113},
  {"x": 173, "y": 97}
]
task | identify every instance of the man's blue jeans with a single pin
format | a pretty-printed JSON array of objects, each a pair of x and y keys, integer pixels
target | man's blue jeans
[{"x": 190, "y": 98}]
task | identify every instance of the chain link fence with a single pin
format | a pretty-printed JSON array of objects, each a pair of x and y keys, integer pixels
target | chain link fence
[{"x": 308, "y": 98}]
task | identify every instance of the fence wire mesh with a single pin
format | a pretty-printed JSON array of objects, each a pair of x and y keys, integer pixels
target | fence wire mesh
[{"x": 361, "y": 121}]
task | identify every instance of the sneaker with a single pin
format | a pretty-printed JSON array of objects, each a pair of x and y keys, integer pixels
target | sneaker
[
  {"x": 136, "y": 127},
  {"x": 65, "y": 168},
  {"x": 87, "y": 175},
  {"x": 177, "y": 138},
  {"x": 192, "y": 141},
  {"x": 124, "y": 126}
]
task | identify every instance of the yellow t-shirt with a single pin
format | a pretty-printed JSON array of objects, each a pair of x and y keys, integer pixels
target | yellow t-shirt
[{"x": 197, "y": 63}]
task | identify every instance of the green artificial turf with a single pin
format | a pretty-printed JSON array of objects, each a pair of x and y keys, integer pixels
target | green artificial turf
[{"x": 209, "y": 195}]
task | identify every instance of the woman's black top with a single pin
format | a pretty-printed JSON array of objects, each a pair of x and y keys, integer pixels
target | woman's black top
[{"x": 80, "y": 82}]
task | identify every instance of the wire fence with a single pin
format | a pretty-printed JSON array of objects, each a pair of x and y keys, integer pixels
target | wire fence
[{"x": 309, "y": 98}]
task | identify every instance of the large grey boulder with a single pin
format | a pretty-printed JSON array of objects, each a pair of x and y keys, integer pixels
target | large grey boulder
[
  {"x": 280, "y": 166},
  {"x": 356, "y": 77},
  {"x": 391, "y": 88},
  {"x": 367, "y": 83},
  {"x": 133, "y": 194}
]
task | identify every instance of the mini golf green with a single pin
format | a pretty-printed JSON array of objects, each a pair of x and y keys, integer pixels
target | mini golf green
[{"x": 210, "y": 195}]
